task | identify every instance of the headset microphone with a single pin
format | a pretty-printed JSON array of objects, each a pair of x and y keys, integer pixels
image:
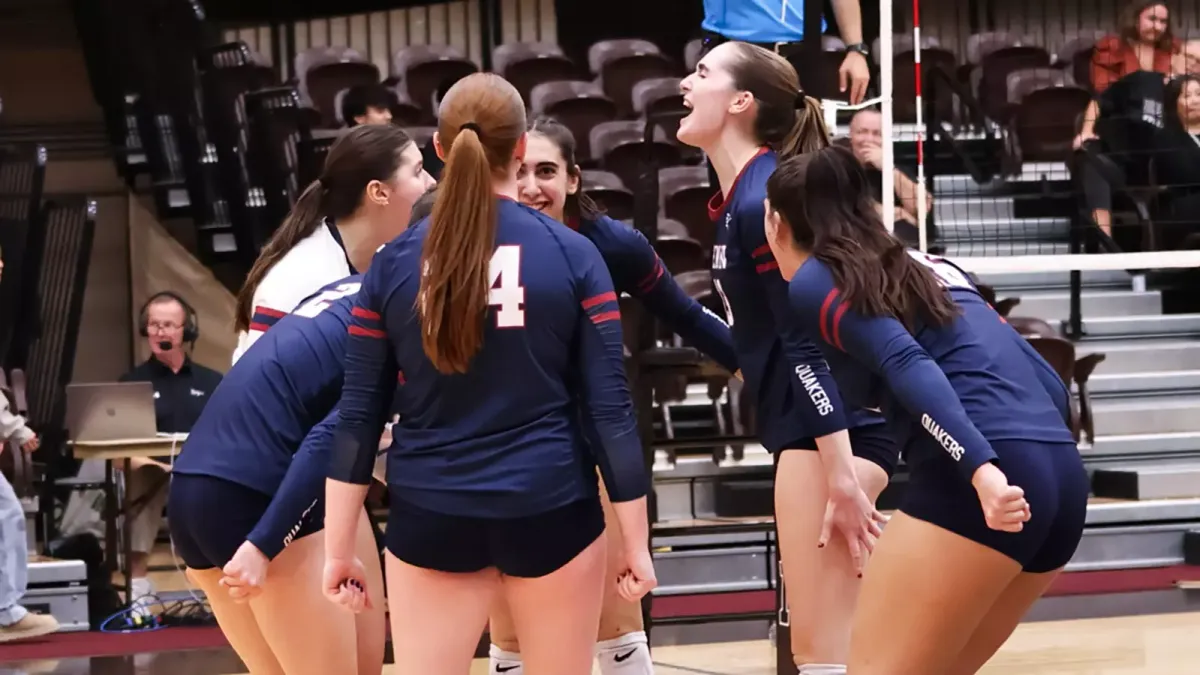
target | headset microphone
[{"x": 165, "y": 345}]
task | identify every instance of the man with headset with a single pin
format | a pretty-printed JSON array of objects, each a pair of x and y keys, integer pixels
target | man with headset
[{"x": 181, "y": 388}]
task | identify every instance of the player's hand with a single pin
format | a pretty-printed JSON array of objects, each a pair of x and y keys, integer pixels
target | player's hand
[
  {"x": 638, "y": 579},
  {"x": 1004, "y": 505},
  {"x": 245, "y": 573},
  {"x": 345, "y": 584},
  {"x": 851, "y": 514},
  {"x": 854, "y": 75},
  {"x": 31, "y": 445}
]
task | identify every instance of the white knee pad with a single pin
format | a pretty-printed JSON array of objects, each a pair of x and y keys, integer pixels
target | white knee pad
[
  {"x": 501, "y": 662},
  {"x": 822, "y": 669},
  {"x": 625, "y": 655}
]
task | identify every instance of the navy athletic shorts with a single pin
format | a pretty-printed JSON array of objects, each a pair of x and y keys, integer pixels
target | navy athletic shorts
[
  {"x": 528, "y": 547},
  {"x": 1056, "y": 486},
  {"x": 211, "y": 517},
  {"x": 872, "y": 442}
]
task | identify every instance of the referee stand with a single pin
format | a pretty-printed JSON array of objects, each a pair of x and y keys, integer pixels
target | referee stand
[{"x": 649, "y": 364}]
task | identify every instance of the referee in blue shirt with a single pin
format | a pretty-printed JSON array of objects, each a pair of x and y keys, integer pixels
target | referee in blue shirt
[{"x": 779, "y": 25}]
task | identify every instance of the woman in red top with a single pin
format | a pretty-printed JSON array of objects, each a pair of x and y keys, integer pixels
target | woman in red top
[{"x": 1145, "y": 42}]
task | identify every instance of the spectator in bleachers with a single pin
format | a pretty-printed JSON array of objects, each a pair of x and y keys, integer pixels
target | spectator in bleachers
[
  {"x": 1177, "y": 165},
  {"x": 866, "y": 141},
  {"x": 16, "y": 622},
  {"x": 778, "y": 25},
  {"x": 1144, "y": 42},
  {"x": 181, "y": 388},
  {"x": 366, "y": 104}
]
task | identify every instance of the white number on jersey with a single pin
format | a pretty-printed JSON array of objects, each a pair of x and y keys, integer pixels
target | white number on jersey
[
  {"x": 724, "y": 301},
  {"x": 506, "y": 292},
  {"x": 321, "y": 302},
  {"x": 949, "y": 275}
]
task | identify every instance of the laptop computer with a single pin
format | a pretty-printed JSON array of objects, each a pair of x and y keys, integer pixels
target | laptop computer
[{"x": 110, "y": 411}]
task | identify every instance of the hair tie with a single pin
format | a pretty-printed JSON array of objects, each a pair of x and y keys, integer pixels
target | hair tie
[
  {"x": 801, "y": 100},
  {"x": 472, "y": 126}
]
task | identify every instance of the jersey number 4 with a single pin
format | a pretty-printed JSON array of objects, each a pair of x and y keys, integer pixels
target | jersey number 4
[
  {"x": 507, "y": 294},
  {"x": 321, "y": 301}
]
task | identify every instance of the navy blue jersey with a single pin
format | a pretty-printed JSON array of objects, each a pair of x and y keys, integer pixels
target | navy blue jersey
[
  {"x": 269, "y": 425},
  {"x": 952, "y": 388},
  {"x": 637, "y": 270},
  {"x": 794, "y": 392},
  {"x": 503, "y": 440}
]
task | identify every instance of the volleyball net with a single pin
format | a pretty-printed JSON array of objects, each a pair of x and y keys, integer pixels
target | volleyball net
[{"x": 981, "y": 106}]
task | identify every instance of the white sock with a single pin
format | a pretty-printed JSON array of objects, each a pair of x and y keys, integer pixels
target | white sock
[
  {"x": 625, "y": 655},
  {"x": 501, "y": 662},
  {"x": 822, "y": 669}
]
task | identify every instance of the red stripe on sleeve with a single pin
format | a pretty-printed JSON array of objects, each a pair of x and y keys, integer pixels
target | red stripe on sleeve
[
  {"x": 651, "y": 279},
  {"x": 364, "y": 313},
  {"x": 823, "y": 317},
  {"x": 606, "y": 316},
  {"x": 268, "y": 311},
  {"x": 367, "y": 332},
  {"x": 765, "y": 249},
  {"x": 260, "y": 327},
  {"x": 837, "y": 325},
  {"x": 599, "y": 300},
  {"x": 766, "y": 267}
]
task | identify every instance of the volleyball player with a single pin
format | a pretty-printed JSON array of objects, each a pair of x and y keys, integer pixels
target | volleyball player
[
  {"x": 550, "y": 182},
  {"x": 244, "y": 505},
  {"x": 746, "y": 110},
  {"x": 997, "y": 495},
  {"x": 335, "y": 227},
  {"x": 500, "y": 322}
]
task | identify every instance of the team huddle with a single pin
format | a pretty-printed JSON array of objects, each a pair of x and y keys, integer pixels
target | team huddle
[{"x": 471, "y": 335}]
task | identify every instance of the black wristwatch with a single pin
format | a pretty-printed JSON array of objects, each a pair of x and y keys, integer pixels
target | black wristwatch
[{"x": 860, "y": 48}]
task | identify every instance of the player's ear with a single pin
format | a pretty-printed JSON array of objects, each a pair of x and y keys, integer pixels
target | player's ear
[
  {"x": 741, "y": 102},
  {"x": 573, "y": 180},
  {"x": 377, "y": 193},
  {"x": 437, "y": 146}
]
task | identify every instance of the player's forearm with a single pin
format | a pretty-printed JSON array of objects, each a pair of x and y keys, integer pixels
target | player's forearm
[
  {"x": 634, "y": 520},
  {"x": 694, "y": 323},
  {"x": 343, "y": 505},
  {"x": 837, "y": 457}
]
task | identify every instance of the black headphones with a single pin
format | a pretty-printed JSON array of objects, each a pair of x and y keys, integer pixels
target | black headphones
[{"x": 191, "y": 323}]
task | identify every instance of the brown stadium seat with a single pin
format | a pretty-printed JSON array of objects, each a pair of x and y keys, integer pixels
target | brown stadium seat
[
  {"x": 623, "y": 63},
  {"x": 528, "y": 64},
  {"x": 684, "y": 192},
  {"x": 609, "y": 192},
  {"x": 1002, "y": 307},
  {"x": 426, "y": 70},
  {"x": 324, "y": 71},
  {"x": 1075, "y": 56},
  {"x": 904, "y": 82},
  {"x": 1060, "y": 354},
  {"x": 991, "y": 56},
  {"x": 660, "y": 97},
  {"x": 680, "y": 253},
  {"x": 618, "y": 148},
  {"x": 669, "y": 227},
  {"x": 578, "y": 105},
  {"x": 1046, "y": 104}
]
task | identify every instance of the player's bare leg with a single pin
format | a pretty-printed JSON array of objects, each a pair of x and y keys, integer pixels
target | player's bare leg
[
  {"x": 436, "y": 617},
  {"x": 306, "y": 634},
  {"x": 557, "y": 616},
  {"x": 824, "y": 577},
  {"x": 370, "y": 624},
  {"x": 237, "y": 623},
  {"x": 916, "y": 566}
]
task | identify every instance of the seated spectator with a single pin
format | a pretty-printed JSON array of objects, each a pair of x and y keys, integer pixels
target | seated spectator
[
  {"x": 181, "y": 388},
  {"x": 1144, "y": 43},
  {"x": 866, "y": 140},
  {"x": 366, "y": 104},
  {"x": 1177, "y": 164}
]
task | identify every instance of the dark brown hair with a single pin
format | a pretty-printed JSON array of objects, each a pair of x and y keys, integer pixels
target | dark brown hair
[
  {"x": 361, "y": 155},
  {"x": 480, "y": 121},
  {"x": 577, "y": 205},
  {"x": 1131, "y": 16},
  {"x": 423, "y": 207},
  {"x": 788, "y": 121},
  {"x": 826, "y": 202}
]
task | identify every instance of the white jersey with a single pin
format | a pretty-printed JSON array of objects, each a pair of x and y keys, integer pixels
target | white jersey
[{"x": 313, "y": 263}]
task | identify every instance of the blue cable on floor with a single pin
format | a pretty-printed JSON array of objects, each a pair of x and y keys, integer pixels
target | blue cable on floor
[{"x": 132, "y": 624}]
